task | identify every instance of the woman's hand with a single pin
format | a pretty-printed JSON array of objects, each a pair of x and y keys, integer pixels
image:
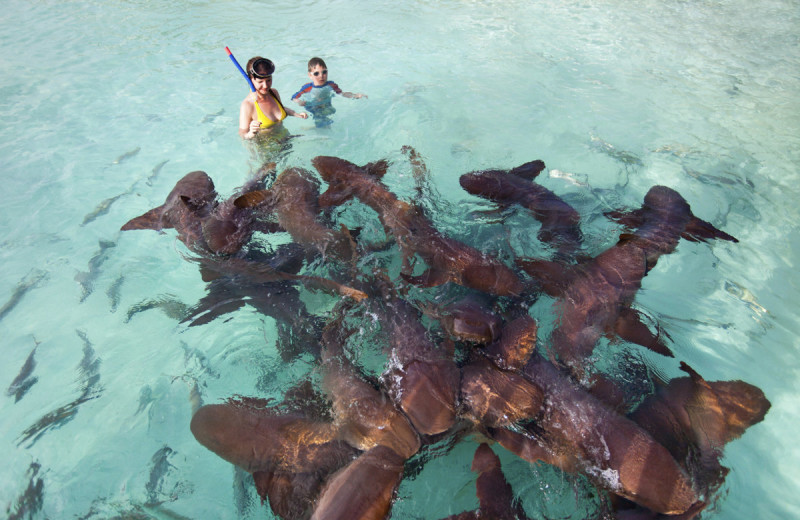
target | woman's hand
[{"x": 255, "y": 126}]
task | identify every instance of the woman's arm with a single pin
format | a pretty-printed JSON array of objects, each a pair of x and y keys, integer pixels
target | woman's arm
[{"x": 248, "y": 127}]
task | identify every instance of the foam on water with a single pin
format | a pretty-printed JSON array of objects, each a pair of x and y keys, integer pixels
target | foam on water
[{"x": 105, "y": 105}]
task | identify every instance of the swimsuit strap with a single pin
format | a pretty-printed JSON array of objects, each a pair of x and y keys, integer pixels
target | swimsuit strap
[{"x": 283, "y": 110}]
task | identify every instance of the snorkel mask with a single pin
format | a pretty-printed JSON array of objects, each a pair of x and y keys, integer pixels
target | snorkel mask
[{"x": 262, "y": 68}]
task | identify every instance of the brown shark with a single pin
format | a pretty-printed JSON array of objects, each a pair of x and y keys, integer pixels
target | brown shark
[
  {"x": 495, "y": 496},
  {"x": 515, "y": 344},
  {"x": 363, "y": 490},
  {"x": 560, "y": 222},
  {"x": 367, "y": 420},
  {"x": 364, "y": 415},
  {"x": 578, "y": 433},
  {"x": 421, "y": 377},
  {"x": 694, "y": 419},
  {"x": 596, "y": 294},
  {"x": 203, "y": 223},
  {"x": 492, "y": 397},
  {"x": 297, "y": 328},
  {"x": 289, "y": 454},
  {"x": 469, "y": 319},
  {"x": 263, "y": 273},
  {"x": 294, "y": 199},
  {"x": 448, "y": 260}
]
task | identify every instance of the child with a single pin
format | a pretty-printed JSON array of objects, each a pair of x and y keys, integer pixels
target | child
[{"x": 316, "y": 96}]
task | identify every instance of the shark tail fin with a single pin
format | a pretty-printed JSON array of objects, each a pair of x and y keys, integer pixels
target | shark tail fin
[{"x": 150, "y": 220}]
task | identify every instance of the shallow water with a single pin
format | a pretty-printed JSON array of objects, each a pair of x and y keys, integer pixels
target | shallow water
[{"x": 106, "y": 105}]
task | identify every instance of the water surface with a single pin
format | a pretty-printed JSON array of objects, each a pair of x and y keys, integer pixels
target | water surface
[{"x": 104, "y": 105}]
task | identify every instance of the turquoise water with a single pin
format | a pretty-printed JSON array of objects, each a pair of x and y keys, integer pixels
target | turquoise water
[{"x": 106, "y": 105}]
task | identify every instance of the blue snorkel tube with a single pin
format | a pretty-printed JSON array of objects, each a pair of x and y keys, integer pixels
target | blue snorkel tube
[{"x": 230, "y": 55}]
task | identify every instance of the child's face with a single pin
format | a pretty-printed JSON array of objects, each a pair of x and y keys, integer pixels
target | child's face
[{"x": 318, "y": 74}]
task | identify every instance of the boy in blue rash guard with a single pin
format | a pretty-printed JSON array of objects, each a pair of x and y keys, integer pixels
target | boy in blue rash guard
[{"x": 316, "y": 95}]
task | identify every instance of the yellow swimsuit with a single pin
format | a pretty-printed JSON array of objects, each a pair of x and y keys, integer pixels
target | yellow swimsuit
[{"x": 265, "y": 121}]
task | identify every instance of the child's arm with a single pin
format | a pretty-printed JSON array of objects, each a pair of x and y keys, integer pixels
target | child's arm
[
  {"x": 297, "y": 96},
  {"x": 288, "y": 110},
  {"x": 339, "y": 91},
  {"x": 354, "y": 96},
  {"x": 302, "y": 115}
]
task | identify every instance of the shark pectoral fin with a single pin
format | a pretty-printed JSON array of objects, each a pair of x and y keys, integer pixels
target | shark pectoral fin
[
  {"x": 208, "y": 274},
  {"x": 267, "y": 170},
  {"x": 699, "y": 230},
  {"x": 526, "y": 446},
  {"x": 430, "y": 278},
  {"x": 336, "y": 195},
  {"x": 529, "y": 170},
  {"x": 350, "y": 239},
  {"x": 629, "y": 327},
  {"x": 203, "y": 316},
  {"x": 263, "y": 482},
  {"x": 377, "y": 169},
  {"x": 552, "y": 276},
  {"x": 629, "y": 219},
  {"x": 706, "y": 412},
  {"x": 326, "y": 284},
  {"x": 150, "y": 220},
  {"x": 252, "y": 199}
]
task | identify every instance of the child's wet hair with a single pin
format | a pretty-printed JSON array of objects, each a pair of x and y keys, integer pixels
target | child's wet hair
[{"x": 313, "y": 62}]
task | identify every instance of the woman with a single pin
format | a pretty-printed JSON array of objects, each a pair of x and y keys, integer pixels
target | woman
[{"x": 262, "y": 110}]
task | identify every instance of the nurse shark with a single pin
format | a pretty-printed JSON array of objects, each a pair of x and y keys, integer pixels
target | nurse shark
[
  {"x": 496, "y": 498},
  {"x": 204, "y": 224},
  {"x": 560, "y": 222},
  {"x": 448, "y": 260},
  {"x": 595, "y": 295},
  {"x": 422, "y": 377},
  {"x": 293, "y": 197}
]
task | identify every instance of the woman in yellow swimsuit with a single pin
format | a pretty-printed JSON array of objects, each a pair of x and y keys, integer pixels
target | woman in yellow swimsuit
[{"x": 262, "y": 110}]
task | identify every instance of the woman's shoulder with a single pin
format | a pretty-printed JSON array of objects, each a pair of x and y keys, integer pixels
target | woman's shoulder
[{"x": 248, "y": 104}]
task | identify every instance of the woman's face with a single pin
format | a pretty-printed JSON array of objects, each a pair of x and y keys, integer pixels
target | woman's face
[{"x": 262, "y": 84}]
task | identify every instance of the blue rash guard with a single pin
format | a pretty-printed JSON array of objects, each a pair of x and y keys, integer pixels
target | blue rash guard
[{"x": 318, "y": 100}]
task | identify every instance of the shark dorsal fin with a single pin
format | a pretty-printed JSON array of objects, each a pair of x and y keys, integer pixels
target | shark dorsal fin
[{"x": 529, "y": 170}]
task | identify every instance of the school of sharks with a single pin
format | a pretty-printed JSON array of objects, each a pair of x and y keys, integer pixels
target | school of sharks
[{"x": 473, "y": 370}]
